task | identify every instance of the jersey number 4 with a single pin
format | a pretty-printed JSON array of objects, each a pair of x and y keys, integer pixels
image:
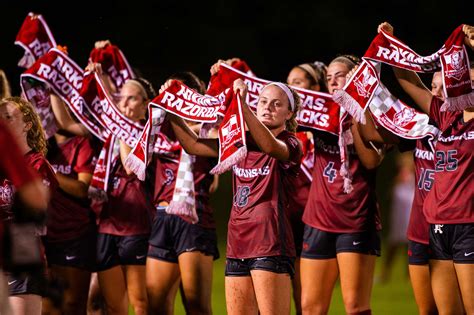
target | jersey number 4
[{"x": 329, "y": 172}]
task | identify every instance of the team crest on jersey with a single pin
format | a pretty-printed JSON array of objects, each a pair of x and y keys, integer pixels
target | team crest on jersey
[
  {"x": 365, "y": 82},
  {"x": 230, "y": 130},
  {"x": 404, "y": 117},
  {"x": 455, "y": 65},
  {"x": 6, "y": 193}
]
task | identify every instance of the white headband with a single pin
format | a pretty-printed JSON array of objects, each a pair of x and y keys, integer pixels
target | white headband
[{"x": 287, "y": 92}]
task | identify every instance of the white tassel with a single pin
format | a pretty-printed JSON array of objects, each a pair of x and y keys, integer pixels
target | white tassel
[{"x": 227, "y": 164}]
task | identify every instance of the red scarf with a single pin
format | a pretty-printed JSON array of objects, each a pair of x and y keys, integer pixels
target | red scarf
[
  {"x": 109, "y": 154},
  {"x": 35, "y": 38},
  {"x": 118, "y": 126},
  {"x": 56, "y": 71},
  {"x": 318, "y": 110},
  {"x": 232, "y": 143},
  {"x": 177, "y": 99},
  {"x": 452, "y": 59},
  {"x": 114, "y": 63}
]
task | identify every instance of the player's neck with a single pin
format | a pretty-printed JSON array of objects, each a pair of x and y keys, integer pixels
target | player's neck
[{"x": 277, "y": 131}]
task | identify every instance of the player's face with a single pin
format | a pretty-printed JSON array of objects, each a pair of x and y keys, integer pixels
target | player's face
[
  {"x": 298, "y": 78},
  {"x": 12, "y": 117},
  {"x": 273, "y": 108},
  {"x": 131, "y": 102},
  {"x": 437, "y": 85},
  {"x": 336, "y": 76}
]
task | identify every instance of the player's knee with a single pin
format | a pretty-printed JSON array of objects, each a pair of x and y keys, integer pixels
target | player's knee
[
  {"x": 139, "y": 302},
  {"x": 311, "y": 306},
  {"x": 197, "y": 306},
  {"x": 355, "y": 306}
]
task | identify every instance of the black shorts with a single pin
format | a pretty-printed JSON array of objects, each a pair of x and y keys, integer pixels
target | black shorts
[
  {"x": 418, "y": 253},
  {"x": 27, "y": 283},
  {"x": 276, "y": 264},
  {"x": 115, "y": 250},
  {"x": 172, "y": 236},
  {"x": 452, "y": 242},
  {"x": 78, "y": 252},
  {"x": 318, "y": 244}
]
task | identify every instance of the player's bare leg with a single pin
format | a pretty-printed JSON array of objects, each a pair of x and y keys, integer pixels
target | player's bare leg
[{"x": 318, "y": 277}]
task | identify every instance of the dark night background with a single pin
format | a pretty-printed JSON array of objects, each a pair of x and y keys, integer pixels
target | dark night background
[{"x": 162, "y": 37}]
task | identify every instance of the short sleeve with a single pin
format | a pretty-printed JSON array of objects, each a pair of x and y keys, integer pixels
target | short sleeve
[
  {"x": 294, "y": 147},
  {"x": 85, "y": 157},
  {"x": 13, "y": 165}
]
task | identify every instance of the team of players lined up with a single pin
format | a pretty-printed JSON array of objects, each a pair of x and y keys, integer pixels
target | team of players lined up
[{"x": 291, "y": 225}]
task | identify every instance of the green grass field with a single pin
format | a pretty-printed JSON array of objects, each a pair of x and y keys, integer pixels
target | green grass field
[{"x": 394, "y": 297}]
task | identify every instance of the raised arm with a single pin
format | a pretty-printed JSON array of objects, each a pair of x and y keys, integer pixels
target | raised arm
[
  {"x": 369, "y": 157},
  {"x": 189, "y": 140},
  {"x": 410, "y": 81},
  {"x": 264, "y": 138},
  {"x": 75, "y": 187},
  {"x": 371, "y": 133},
  {"x": 64, "y": 119}
]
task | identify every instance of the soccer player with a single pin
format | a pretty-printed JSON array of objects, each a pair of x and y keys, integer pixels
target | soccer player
[
  {"x": 341, "y": 236},
  {"x": 181, "y": 253},
  {"x": 71, "y": 223},
  {"x": 310, "y": 76},
  {"x": 260, "y": 247},
  {"x": 22, "y": 120}
]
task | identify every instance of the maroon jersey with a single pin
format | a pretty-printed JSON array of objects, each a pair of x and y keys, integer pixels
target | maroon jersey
[
  {"x": 451, "y": 200},
  {"x": 418, "y": 228},
  {"x": 129, "y": 208},
  {"x": 68, "y": 216},
  {"x": 259, "y": 221},
  {"x": 14, "y": 172},
  {"x": 42, "y": 166},
  {"x": 165, "y": 180},
  {"x": 302, "y": 183},
  {"x": 328, "y": 207},
  {"x": 7, "y": 188}
]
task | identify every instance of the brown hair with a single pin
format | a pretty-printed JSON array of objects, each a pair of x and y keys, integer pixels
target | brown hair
[
  {"x": 291, "y": 124},
  {"x": 349, "y": 60},
  {"x": 35, "y": 137},
  {"x": 316, "y": 74},
  {"x": 190, "y": 80},
  {"x": 5, "y": 90}
]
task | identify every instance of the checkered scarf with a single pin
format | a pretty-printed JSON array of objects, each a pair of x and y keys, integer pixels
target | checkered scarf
[
  {"x": 366, "y": 89},
  {"x": 184, "y": 202},
  {"x": 180, "y": 100},
  {"x": 452, "y": 59},
  {"x": 35, "y": 38}
]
